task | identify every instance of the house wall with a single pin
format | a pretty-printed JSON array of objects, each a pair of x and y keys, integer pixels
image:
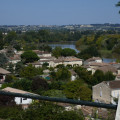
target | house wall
[
  {"x": 73, "y": 77},
  {"x": 101, "y": 93},
  {"x": 98, "y": 61},
  {"x": 20, "y": 101},
  {"x": 37, "y": 66},
  {"x": 47, "y": 55},
  {"x": 44, "y": 55},
  {"x": 118, "y": 72},
  {"x": 92, "y": 70},
  {"x": 3, "y": 78},
  {"x": 73, "y": 63},
  {"x": 52, "y": 64},
  {"x": 114, "y": 94},
  {"x": 15, "y": 61}
]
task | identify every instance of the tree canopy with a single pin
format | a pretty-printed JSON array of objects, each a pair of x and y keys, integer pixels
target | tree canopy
[
  {"x": 77, "y": 90},
  {"x": 3, "y": 59},
  {"x": 29, "y": 56},
  {"x": 62, "y": 74},
  {"x": 30, "y": 71},
  {"x": 39, "y": 84},
  {"x": 89, "y": 52},
  {"x": 68, "y": 52}
]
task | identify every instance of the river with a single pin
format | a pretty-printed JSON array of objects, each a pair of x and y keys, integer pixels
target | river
[{"x": 72, "y": 46}]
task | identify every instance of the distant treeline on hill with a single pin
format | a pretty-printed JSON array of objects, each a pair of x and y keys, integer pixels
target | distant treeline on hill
[{"x": 103, "y": 40}]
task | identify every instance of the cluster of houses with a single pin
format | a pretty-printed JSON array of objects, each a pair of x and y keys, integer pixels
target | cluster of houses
[{"x": 106, "y": 92}]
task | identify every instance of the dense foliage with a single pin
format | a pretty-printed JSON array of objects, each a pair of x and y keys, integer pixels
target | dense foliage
[
  {"x": 77, "y": 90},
  {"x": 89, "y": 52},
  {"x": 39, "y": 85},
  {"x": 62, "y": 74},
  {"x": 29, "y": 56},
  {"x": 30, "y": 71},
  {"x": 3, "y": 59},
  {"x": 94, "y": 79},
  {"x": 45, "y": 111}
]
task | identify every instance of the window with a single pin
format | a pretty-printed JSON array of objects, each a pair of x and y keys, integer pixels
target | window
[
  {"x": 20, "y": 100},
  {"x": 24, "y": 98}
]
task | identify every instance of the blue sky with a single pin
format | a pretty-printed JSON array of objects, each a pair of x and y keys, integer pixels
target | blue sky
[{"x": 58, "y": 12}]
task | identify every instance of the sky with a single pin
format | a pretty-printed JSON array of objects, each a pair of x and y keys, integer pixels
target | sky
[{"x": 58, "y": 12}]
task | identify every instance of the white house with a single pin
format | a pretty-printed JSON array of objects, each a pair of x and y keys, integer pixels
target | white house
[
  {"x": 106, "y": 91},
  {"x": 20, "y": 100}
]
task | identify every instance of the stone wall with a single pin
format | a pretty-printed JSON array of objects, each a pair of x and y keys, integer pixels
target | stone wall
[{"x": 101, "y": 93}]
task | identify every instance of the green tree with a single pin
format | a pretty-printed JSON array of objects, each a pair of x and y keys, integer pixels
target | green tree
[
  {"x": 30, "y": 71},
  {"x": 10, "y": 112},
  {"x": 1, "y": 41},
  {"x": 11, "y": 36},
  {"x": 39, "y": 84},
  {"x": 22, "y": 84},
  {"x": 99, "y": 75},
  {"x": 77, "y": 90},
  {"x": 3, "y": 59},
  {"x": 57, "y": 52},
  {"x": 9, "y": 78},
  {"x": 89, "y": 52},
  {"x": 68, "y": 52},
  {"x": 29, "y": 56},
  {"x": 11, "y": 67},
  {"x": 85, "y": 75},
  {"x": 109, "y": 76},
  {"x": 54, "y": 93},
  {"x": 18, "y": 67},
  {"x": 56, "y": 85},
  {"x": 48, "y": 111},
  {"x": 63, "y": 74},
  {"x": 70, "y": 115}
]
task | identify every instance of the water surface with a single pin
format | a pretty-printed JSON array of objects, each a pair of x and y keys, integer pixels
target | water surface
[{"x": 72, "y": 46}]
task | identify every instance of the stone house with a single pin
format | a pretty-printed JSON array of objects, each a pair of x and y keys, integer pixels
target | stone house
[
  {"x": 66, "y": 61},
  {"x": 53, "y": 62},
  {"x": 24, "y": 102},
  {"x": 93, "y": 60},
  {"x": 105, "y": 67},
  {"x": 106, "y": 92},
  {"x": 72, "y": 61}
]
